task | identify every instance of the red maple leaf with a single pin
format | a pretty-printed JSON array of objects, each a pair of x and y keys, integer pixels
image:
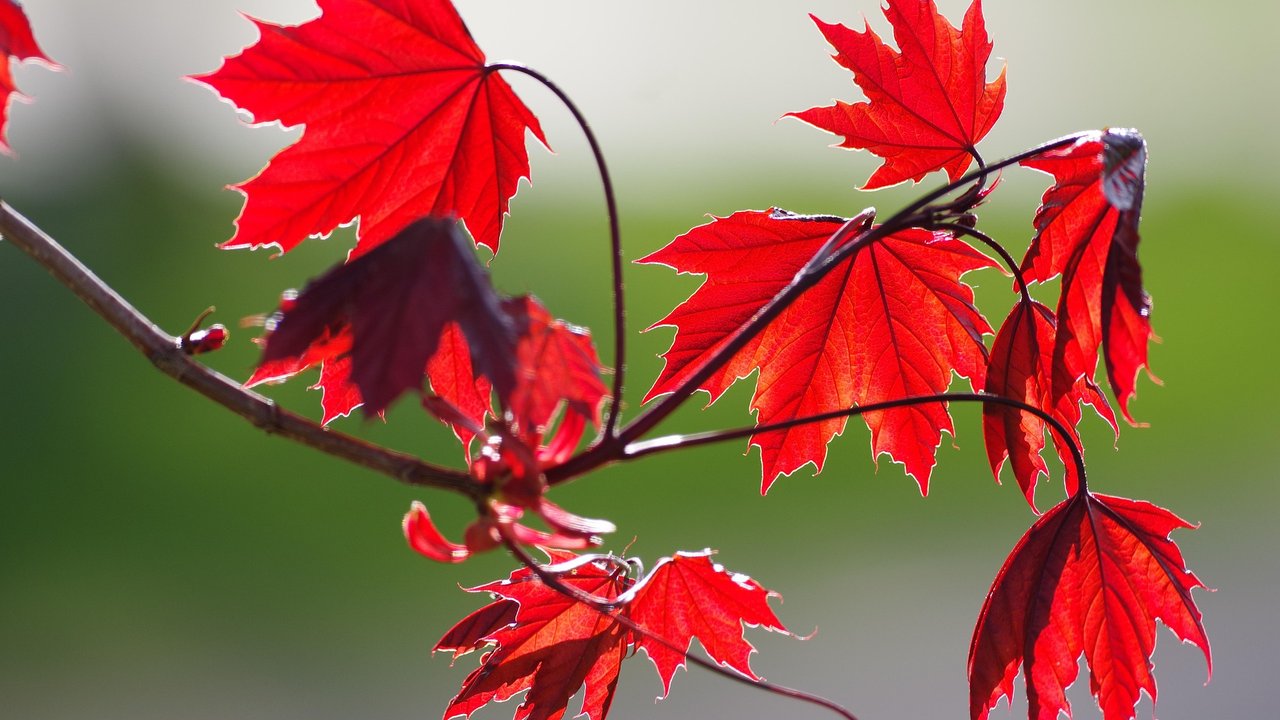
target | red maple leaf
[
  {"x": 690, "y": 596},
  {"x": 403, "y": 119},
  {"x": 892, "y": 321},
  {"x": 398, "y": 300},
  {"x": 557, "y": 364},
  {"x": 929, "y": 104},
  {"x": 556, "y": 369},
  {"x": 555, "y": 646},
  {"x": 17, "y": 43},
  {"x": 470, "y": 633},
  {"x": 453, "y": 378},
  {"x": 550, "y": 644},
  {"x": 1087, "y": 232},
  {"x": 1091, "y": 577},
  {"x": 1022, "y": 368}
]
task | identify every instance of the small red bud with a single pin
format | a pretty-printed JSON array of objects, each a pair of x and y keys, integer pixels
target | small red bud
[{"x": 206, "y": 340}]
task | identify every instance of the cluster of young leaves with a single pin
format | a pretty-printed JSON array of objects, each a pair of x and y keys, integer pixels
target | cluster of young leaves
[{"x": 836, "y": 316}]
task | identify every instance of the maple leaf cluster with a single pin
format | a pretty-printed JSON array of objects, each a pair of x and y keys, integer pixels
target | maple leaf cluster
[
  {"x": 410, "y": 132},
  {"x": 540, "y": 640}
]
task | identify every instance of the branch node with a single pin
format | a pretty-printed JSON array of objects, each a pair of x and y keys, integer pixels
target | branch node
[{"x": 268, "y": 420}]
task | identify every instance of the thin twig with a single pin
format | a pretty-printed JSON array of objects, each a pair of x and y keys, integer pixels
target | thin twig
[
  {"x": 615, "y": 242},
  {"x": 677, "y": 442},
  {"x": 999, "y": 249},
  {"x": 165, "y": 352},
  {"x": 610, "y": 610}
]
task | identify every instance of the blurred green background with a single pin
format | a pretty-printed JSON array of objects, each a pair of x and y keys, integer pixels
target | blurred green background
[{"x": 160, "y": 558}]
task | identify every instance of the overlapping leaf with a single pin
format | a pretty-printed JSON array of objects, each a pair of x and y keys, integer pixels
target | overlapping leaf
[
  {"x": 402, "y": 120},
  {"x": 453, "y": 378},
  {"x": 1091, "y": 577},
  {"x": 1022, "y": 368},
  {"x": 557, "y": 375},
  {"x": 330, "y": 350},
  {"x": 557, "y": 364},
  {"x": 1087, "y": 232},
  {"x": 398, "y": 300},
  {"x": 16, "y": 43},
  {"x": 929, "y": 104},
  {"x": 550, "y": 645},
  {"x": 421, "y": 303},
  {"x": 892, "y": 321}
]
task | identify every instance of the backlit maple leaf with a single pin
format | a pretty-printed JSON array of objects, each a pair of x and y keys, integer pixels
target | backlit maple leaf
[
  {"x": 557, "y": 365},
  {"x": 892, "y": 321},
  {"x": 1087, "y": 232},
  {"x": 555, "y": 646},
  {"x": 1022, "y": 368},
  {"x": 453, "y": 378},
  {"x": 549, "y": 644},
  {"x": 557, "y": 374},
  {"x": 16, "y": 43},
  {"x": 402, "y": 119},
  {"x": 929, "y": 103},
  {"x": 690, "y": 596},
  {"x": 1091, "y": 577}
]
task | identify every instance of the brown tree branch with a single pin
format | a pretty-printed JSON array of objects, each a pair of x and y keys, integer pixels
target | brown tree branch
[{"x": 166, "y": 353}]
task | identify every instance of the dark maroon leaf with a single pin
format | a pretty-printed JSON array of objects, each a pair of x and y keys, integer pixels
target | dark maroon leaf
[{"x": 398, "y": 299}]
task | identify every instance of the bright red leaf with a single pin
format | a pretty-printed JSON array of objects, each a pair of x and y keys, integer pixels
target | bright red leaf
[
  {"x": 892, "y": 321},
  {"x": 550, "y": 645},
  {"x": 402, "y": 119},
  {"x": 555, "y": 646},
  {"x": 398, "y": 300},
  {"x": 1091, "y": 577},
  {"x": 1087, "y": 232},
  {"x": 1022, "y": 368},
  {"x": 929, "y": 104},
  {"x": 454, "y": 379},
  {"x": 339, "y": 395},
  {"x": 469, "y": 634},
  {"x": 690, "y": 596},
  {"x": 557, "y": 365},
  {"x": 16, "y": 43},
  {"x": 556, "y": 369}
]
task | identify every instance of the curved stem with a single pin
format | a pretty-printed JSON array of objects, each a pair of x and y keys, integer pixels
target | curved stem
[
  {"x": 166, "y": 353},
  {"x": 981, "y": 172},
  {"x": 999, "y": 249},
  {"x": 611, "y": 610},
  {"x": 611, "y": 448},
  {"x": 615, "y": 240},
  {"x": 675, "y": 442}
]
